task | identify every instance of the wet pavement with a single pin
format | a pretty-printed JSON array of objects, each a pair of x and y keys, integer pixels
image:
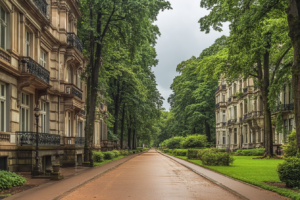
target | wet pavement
[{"x": 150, "y": 176}]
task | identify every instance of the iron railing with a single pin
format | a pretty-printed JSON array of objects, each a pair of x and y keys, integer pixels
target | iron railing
[
  {"x": 217, "y": 105},
  {"x": 233, "y": 120},
  {"x": 223, "y": 87},
  {"x": 76, "y": 93},
  {"x": 218, "y": 88},
  {"x": 229, "y": 122},
  {"x": 241, "y": 119},
  {"x": 284, "y": 107},
  {"x": 245, "y": 116},
  {"x": 245, "y": 90},
  {"x": 223, "y": 123},
  {"x": 29, "y": 138},
  {"x": 42, "y": 6},
  {"x": 73, "y": 40},
  {"x": 79, "y": 141},
  {"x": 82, "y": 112},
  {"x": 229, "y": 100},
  {"x": 36, "y": 69}
]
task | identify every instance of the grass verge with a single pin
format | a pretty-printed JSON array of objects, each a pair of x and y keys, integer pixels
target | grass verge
[
  {"x": 107, "y": 161},
  {"x": 253, "y": 171}
]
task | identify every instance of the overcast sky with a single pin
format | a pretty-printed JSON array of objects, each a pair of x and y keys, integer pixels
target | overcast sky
[{"x": 180, "y": 40}]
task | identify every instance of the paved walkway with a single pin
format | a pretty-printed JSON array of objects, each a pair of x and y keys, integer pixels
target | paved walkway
[{"x": 150, "y": 176}]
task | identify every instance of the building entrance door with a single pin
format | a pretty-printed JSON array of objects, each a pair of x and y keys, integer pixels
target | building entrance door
[{"x": 3, "y": 163}]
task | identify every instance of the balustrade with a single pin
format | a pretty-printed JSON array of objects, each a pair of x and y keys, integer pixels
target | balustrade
[
  {"x": 29, "y": 138},
  {"x": 73, "y": 40},
  {"x": 32, "y": 67},
  {"x": 5, "y": 138},
  {"x": 4, "y": 55}
]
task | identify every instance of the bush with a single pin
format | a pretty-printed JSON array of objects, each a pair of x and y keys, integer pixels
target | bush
[
  {"x": 192, "y": 153},
  {"x": 140, "y": 149},
  {"x": 10, "y": 179},
  {"x": 290, "y": 149},
  {"x": 109, "y": 155},
  {"x": 250, "y": 152},
  {"x": 124, "y": 152},
  {"x": 214, "y": 158},
  {"x": 194, "y": 141},
  {"x": 173, "y": 143},
  {"x": 165, "y": 150},
  {"x": 98, "y": 156},
  {"x": 289, "y": 172},
  {"x": 116, "y": 152},
  {"x": 180, "y": 152}
]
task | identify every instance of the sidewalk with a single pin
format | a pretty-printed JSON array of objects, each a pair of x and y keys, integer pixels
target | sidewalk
[
  {"x": 244, "y": 190},
  {"x": 55, "y": 189}
]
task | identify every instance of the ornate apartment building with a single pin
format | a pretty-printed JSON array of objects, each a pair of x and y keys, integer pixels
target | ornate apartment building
[
  {"x": 40, "y": 66},
  {"x": 240, "y": 117}
]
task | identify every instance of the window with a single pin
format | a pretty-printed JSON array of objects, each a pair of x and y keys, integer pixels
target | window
[
  {"x": 69, "y": 75},
  {"x": 69, "y": 124},
  {"x": 291, "y": 122},
  {"x": 44, "y": 118},
  {"x": 235, "y": 136},
  {"x": 69, "y": 26},
  {"x": 43, "y": 60},
  {"x": 78, "y": 79},
  {"x": 259, "y": 136},
  {"x": 286, "y": 124},
  {"x": 246, "y": 136},
  {"x": 224, "y": 116},
  {"x": 3, "y": 25},
  {"x": 290, "y": 94},
  {"x": 27, "y": 43},
  {"x": 224, "y": 137},
  {"x": 2, "y": 107},
  {"x": 284, "y": 95},
  {"x": 223, "y": 98},
  {"x": 24, "y": 112},
  {"x": 251, "y": 137},
  {"x": 80, "y": 129}
]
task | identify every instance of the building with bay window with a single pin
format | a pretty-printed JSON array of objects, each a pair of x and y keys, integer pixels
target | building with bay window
[
  {"x": 41, "y": 63},
  {"x": 240, "y": 117}
]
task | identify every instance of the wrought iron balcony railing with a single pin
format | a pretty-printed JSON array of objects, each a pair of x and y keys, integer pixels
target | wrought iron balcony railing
[
  {"x": 284, "y": 107},
  {"x": 42, "y": 6},
  {"x": 245, "y": 116},
  {"x": 82, "y": 112},
  {"x": 245, "y": 90},
  {"x": 223, "y": 123},
  {"x": 73, "y": 40},
  {"x": 233, "y": 120},
  {"x": 218, "y": 88},
  {"x": 223, "y": 87},
  {"x": 229, "y": 122},
  {"x": 217, "y": 105},
  {"x": 77, "y": 93},
  {"x": 79, "y": 141},
  {"x": 32, "y": 67},
  {"x": 72, "y": 89},
  {"x": 29, "y": 138}
]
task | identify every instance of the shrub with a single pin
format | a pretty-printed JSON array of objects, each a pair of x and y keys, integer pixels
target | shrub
[
  {"x": 250, "y": 152},
  {"x": 140, "y": 149},
  {"x": 109, "y": 155},
  {"x": 98, "y": 156},
  {"x": 116, "y": 152},
  {"x": 130, "y": 152},
  {"x": 10, "y": 179},
  {"x": 124, "y": 152},
  {"x": 180, "y": 152},
  {"x": 173, "y": 143},
  {"x": 165, "y": 150},
  {"x": 289, "y": 172},
  {"x": 194, "y": 141},
  {"x": 192, "y": 153},
  {"x": 290, "y": 149},
  {"x": 214, "y": 158}
]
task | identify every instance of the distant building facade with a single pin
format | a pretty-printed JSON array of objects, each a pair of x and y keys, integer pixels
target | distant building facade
[{"x": 240, "y": 117}]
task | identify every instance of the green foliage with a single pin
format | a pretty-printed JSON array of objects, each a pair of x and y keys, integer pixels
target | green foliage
[
  {"x": 10, "y": 179},
  {"x": 173, "y": 143},
  {"x": 192, "y": 153},
  {"x": 239, "y": 94},
  {"x": 180, "y": 152},
  {"x": 289, "y": 172},
  {"x": 214, "y": 158},
  {"x": 98, "y": 156},
  {"x": 250, "y": 152},
  {"x": 290, "y": 149},
  {"x": 194, "y": 141},
  {"x": 108, "y": 155},
  {"x": 116, "y": 152}
]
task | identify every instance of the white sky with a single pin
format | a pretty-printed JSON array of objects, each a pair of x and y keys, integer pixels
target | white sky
[{"x": 180, "y": 40}]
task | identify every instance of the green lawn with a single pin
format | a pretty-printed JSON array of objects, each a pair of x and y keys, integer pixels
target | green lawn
[
  {"x": 107, "y": 161},
  {"x": 253, "y": 171}
]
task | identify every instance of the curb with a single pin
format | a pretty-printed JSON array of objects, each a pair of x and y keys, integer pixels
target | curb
[
  {"x": 208, "y": 178},
  {"x": 95, "y": 177}
]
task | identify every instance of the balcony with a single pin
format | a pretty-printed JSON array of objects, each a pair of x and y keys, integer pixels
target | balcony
[
  {"x": 241, "y": 119},
  {"x": 29, "y": 138},
  {"x": 245, "y": 90},
  {"x": 229, "y": 99},
  {"x": 32, "y": 67},
  {"x": 223, "y": 123},
  {"x": 229, "y": 122},
  {"x": 82, "y": 112},
  {"x": 73, "y": 90},
  {"x": 248, "y": 146},
  {"x": 73, "y": 40},
  {"x": 79, "y": 141},
  {"x": 284, "y": 107},
  {"x": 233, "y": 120},
  {"x": 245, "y": 116},
  {"x": 4, "y": 55},
  {"x": 42, "y": 6},
  {"x": 222, "y": 87}
]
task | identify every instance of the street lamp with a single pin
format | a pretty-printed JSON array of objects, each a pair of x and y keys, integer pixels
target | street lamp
[{"x": 36, "y": 169}]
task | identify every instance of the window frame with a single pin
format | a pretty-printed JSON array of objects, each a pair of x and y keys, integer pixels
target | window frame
[
  {"x": 3, "y": 24},
  {"x": 27, "y": 43},
  {"x": 25, "y": 106},
  {"x": 3, "y": 106},
  {"x": 44, "y": 117},
  {"x": 43, "y": 59}
]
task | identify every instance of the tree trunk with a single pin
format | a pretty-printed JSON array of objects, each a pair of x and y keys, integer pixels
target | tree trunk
[
  {"x": 294, "y": 32},
  {"x": 117, "y": 108},
  {"x": 129, "y": 138},
  {"x": 133, "y": 140},
  {"x": 122, "y": 126},
  {"x": 207, "y": 131}
]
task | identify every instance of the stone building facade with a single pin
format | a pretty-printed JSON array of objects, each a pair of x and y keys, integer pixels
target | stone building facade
[
  {"x": 41, "y": 63},
  {"x": 240, "y": 117}
]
